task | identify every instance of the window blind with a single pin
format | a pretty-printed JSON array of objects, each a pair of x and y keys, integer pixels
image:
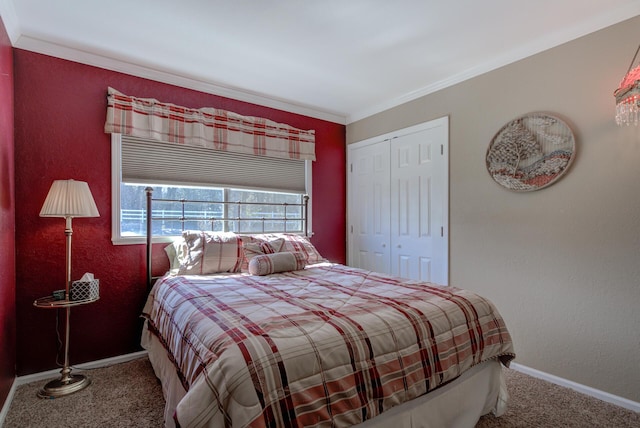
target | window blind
[{"x": 148, "y": 161}]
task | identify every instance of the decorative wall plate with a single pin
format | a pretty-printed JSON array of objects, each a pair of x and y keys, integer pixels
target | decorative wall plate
[{"x": 530, "y": 152}]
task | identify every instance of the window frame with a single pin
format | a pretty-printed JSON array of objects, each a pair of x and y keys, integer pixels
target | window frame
[{"x": 116, "y": 181}]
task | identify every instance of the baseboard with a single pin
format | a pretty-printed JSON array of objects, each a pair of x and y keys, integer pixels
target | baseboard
[
  {"x": 21, "y": 380},
  {"x": 587, "y": 390},
  {"x": 7, "y": 403}
]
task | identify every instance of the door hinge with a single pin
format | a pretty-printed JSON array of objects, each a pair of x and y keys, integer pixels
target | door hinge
[
  {"x": 350, "y": 167},
  {"x": 442, "y": 149},
  {"x": 351, "y": 228},
  {"x": 442, "y": 231}
]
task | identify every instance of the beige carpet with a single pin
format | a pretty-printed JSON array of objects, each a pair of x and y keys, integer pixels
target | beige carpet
[
  {"x": 537, "y": 403},
  {"x": 123, "y": 395},
  {"x": 129, "y": 395}
]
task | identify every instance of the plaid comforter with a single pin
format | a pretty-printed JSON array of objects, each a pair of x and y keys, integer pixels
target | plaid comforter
[{"x": 329, "y": 345}]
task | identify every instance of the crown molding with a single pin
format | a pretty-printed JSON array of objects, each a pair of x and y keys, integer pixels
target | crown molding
[
  {"x": 148, "y": 71},
  {"x": 544, "y": 43},
  {"x": 83, "y": 55}
]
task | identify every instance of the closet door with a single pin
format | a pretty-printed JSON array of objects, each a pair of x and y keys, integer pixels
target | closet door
[
  {"x": 398, "y": 200},
  {"x": 369, "y": 207},
  {"x": 418, "y": 182}
]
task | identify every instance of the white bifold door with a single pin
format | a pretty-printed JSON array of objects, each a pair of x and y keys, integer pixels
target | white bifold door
[
  {"x": 368, "y": 207},
  {"x": 398, "y": 203}
]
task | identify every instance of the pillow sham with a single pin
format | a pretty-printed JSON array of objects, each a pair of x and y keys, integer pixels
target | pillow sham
[
  {"x": 253, "y": 245},
  {"x": 176, "y": 253},
  {"x": 266, "y": 264},
  {"x": 302, "y": 244},
  {"x": 293, "y": 243},
  {"x": 210, "y": 252},
  {"x": 170, "y": 250},
  {"x": 252, "y": 249}
]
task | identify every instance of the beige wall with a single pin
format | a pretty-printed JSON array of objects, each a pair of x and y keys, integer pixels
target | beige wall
[{"x": 563, "y": 263}]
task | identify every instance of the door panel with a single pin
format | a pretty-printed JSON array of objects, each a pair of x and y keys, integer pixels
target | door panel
[
  {"x": 424, "y": 210},
  {"x": 414, "y": 175},
  {"x": 403, "y": 265},
  {"x": 370, "y": 228},
  {"x": 403, "y": 209},
  {"x": 424, "y": 269}
]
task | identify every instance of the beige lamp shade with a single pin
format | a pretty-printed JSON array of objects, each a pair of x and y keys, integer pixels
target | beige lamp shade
[{"x": 69, "y": 198}]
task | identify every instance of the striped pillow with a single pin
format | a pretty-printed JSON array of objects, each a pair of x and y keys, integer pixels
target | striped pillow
[
  {"x": 210, "y": 252},
  {"x": 255, "y": 245},
  {"x": 266, "y": 264},
  {"x": 302, "y": 244},
  {"x": 293, "y": 243},
  {"x": 253, "y": 249}
]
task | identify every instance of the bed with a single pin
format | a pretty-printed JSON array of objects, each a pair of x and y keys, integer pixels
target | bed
[{"x": 261, "y": 331}]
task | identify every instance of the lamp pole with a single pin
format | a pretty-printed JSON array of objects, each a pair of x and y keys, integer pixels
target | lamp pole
[{"x": 68, "y": 383}]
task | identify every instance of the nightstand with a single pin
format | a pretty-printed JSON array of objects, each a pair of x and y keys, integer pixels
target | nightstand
[{"x": 68, "y": 383}]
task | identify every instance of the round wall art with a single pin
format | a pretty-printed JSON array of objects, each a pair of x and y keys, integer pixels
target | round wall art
[{"x": 530, "y": 152}]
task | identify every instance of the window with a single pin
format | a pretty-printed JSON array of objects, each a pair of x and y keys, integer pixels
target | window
[{"x": 176, "y": 172}]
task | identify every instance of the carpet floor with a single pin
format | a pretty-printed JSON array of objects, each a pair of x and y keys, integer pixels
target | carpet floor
[{"x": 129, "y": 395}]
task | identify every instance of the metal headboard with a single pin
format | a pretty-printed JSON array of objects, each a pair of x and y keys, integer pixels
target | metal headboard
[{"x": 182, "y": 218}]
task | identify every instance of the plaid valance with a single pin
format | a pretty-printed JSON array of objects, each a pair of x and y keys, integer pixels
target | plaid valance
[{"x": 206, "y": 127}]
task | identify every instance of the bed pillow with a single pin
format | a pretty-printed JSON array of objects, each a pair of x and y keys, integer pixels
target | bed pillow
[
  {"x": 176, "y": 253},
  {"x": 266, "y": 264},
  {"x": 302, "y": 244},
  {"x": 211, "y": 252},
  {"x": 252, "y": 249},
  {"x": 170, "y": 250},
  {"x": 293, "y": 243},
  {"x": 254, "y": 245}
]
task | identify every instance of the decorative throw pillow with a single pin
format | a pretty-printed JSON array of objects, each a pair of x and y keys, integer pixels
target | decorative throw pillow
[
  {"x": 266, "y": 264},
  {"x": 302, "y": 244},
  {"x": 252, "y": 246},
  {"x": 253, "y": 249},
  {"x": 210, "y": 252}
]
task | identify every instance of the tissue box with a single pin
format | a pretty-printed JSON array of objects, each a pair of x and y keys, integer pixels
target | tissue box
[{"x": 85, "y": 290}]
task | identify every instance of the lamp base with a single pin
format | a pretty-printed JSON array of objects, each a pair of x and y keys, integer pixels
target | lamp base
[{"x": 64, "y": 386}]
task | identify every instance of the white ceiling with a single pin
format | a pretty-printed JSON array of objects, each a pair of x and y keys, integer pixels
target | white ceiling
[{"x": 339, "y": 60}]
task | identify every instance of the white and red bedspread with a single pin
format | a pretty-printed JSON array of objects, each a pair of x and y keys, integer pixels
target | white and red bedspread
[{"x": 330, "y": 345}]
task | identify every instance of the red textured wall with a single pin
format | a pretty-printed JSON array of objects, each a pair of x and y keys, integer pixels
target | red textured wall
[
  {"x": 59, "y": 118},
  {"x": 7, "y": 221}
]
